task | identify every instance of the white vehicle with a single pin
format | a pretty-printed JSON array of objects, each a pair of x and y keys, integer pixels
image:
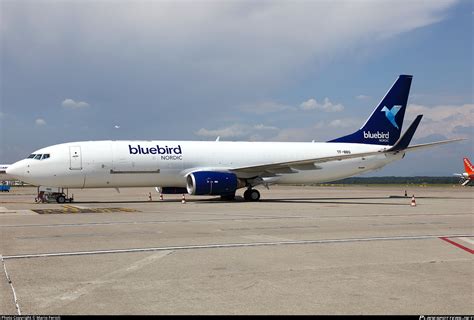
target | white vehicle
[
  {"x": 220, "y": 168},
  {"x": 50, "y": 194},
  {"x": 3, "y": 168},
  {"x": 3, "y": 175}
]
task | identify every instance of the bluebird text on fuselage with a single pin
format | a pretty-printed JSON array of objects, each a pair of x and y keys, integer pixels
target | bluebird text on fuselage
[
  {"x": 382, "y": 136},
  {"x": 155, "y": 150}
]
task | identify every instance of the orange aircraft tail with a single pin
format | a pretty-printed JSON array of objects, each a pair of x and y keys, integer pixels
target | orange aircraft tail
[{"x": 468, "y": 166}]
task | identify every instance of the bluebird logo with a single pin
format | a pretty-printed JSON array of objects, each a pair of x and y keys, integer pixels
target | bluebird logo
[
  {"x": 390, "y": 114},
  {"x": 153, "y": 150},
  {"x": 167, "y": 153},
  {"x": 381, "y": 136}
]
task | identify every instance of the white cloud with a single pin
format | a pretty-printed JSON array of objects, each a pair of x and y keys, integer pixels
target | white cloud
[
  {"x": 319, "y": 131},
  {"x": 71, "y": 104},
  {"x": 445, "y": 120},
  {"x": 294, "y": 134},
  {"x": 228, "y": 132},
  {"x": 345, "y": 123},
  {"x": 264, "y": 127},
  {"x": 362, "y": 97},
  {"x": 265, "y": 107},
  {"x": 40, "y": 122},
  {"x": 309, "y": 104},
  {"x": 258, "y": 131},
  {"x": 327, "y": 105},
  {"x": 247, "y": 42}
]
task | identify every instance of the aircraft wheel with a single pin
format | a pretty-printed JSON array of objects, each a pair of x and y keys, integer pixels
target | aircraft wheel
[
  {"x": 251, "y": 195},
  {"x": 254, "y": 195},
  {"x": 247, "y": 195}
]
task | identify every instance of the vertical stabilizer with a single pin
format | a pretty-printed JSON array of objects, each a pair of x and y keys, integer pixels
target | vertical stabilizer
[
  {"x": 385, "y": 123},
  {"x": 468, "y": 166}
]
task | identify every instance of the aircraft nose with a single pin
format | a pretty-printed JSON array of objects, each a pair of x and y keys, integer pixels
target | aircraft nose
[{"x": 16, "y": 170}]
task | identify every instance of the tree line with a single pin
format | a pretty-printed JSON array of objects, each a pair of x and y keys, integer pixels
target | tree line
[{"x": 397, "y": 180}]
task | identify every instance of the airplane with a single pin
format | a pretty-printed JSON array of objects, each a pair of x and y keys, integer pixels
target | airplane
[
  {"x": 467, "y": 176},
  {"x": 220, "y": 168}
]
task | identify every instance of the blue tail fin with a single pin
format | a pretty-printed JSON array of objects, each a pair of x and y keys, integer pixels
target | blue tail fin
[{"x": 385, "y": 123}]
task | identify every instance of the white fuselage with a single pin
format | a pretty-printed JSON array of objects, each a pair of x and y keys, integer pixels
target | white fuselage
[{"x": 102, "y": 164}]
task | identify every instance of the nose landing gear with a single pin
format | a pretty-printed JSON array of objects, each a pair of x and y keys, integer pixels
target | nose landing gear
[{"x": 251, "y": 195}]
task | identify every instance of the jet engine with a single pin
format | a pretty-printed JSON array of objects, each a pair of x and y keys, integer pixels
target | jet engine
[{"x": 212, "y": 183}]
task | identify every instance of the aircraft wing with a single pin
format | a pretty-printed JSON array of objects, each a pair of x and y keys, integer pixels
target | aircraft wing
[
  {"x": 306, "y": 164},
  {"x": 431, "y": 144},
  {"x": 402, "y": 145}
]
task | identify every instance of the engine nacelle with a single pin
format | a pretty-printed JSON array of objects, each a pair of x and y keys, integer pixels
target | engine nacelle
[
  {"x": 211, "y": 183},
  {"x": 171, "y": 190}
]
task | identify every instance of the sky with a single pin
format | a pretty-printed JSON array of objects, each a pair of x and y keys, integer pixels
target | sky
[{"x": 241, "y": 70}]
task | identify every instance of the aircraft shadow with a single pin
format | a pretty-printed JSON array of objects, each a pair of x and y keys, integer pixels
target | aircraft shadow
[
  {"x": 308, "y": 200},
  {"x": 120, "y": 201},
  {"x": 315, "y": 200}
]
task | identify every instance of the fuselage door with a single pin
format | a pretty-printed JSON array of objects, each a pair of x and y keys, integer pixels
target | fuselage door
[{"x": 75, "y": 158}]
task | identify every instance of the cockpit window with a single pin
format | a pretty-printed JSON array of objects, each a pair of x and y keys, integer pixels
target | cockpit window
[{"x": 39, "y": 156}]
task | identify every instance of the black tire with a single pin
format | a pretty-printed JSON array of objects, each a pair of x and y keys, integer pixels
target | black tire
[
  {"x": 251, "y": 195},
  {"x": 60, "y": 199},
  {"x": 254, "y": 195},
  {"x": 247, "y": 195}
]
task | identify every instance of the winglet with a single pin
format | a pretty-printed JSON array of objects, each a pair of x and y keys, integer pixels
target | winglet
[{"x": 405, "y": 139}]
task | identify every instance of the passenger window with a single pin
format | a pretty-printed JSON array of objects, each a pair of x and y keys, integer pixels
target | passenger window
[
  {"x": 45, "y": 156},
  {"x": 31, "y": 156},
  {"x": 38, "y": 156}
]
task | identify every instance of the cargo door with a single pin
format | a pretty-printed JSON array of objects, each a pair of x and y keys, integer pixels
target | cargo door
[{"x": 75, "y": 158}]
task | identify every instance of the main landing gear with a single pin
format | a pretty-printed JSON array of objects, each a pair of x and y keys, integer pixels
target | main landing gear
[{"x": 251, "y": 195}]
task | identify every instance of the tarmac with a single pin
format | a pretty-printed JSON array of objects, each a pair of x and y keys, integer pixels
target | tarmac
[{"x": 300, "y": 250}]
